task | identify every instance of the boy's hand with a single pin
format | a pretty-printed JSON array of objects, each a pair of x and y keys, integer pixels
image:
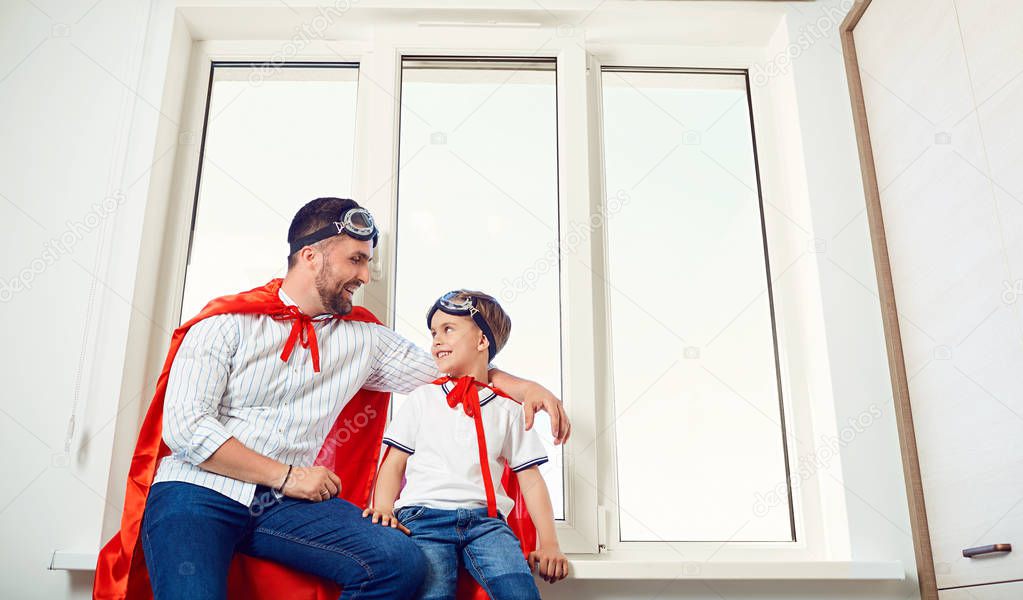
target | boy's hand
[
  {"x": 386, "y": 518},
  {"x": 552, "y": 563}
]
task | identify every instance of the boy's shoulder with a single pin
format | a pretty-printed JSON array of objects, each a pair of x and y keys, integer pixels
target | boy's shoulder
[
  {"x": 504, "y": 405},
  {"x": 486, "y": 396},
  {"x": 427, "y": 390}
]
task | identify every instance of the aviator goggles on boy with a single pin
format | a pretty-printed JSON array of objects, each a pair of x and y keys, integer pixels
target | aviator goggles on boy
[
  {"x": 452, "y": 304},
  {"x": 355, "y": 222}
]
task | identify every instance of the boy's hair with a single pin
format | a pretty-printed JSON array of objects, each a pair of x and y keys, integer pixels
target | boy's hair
[
  {"x": 316, "y": 214},
  {"x": 492, "y": 313}
]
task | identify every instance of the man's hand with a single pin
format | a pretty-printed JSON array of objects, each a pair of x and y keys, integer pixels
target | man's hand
[
  {"x": 540, "y": 398},
  {"x": 315, "y": 484},
  {"x": 386, "y": 518},
  {"x": 553, "y": 565},
  {"x": 534, "y": 397}
]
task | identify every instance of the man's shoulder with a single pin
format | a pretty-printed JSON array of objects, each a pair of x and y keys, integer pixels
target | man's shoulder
[
  {"x": 374, "y": 331},
  {"x": 354, "y": 325},
  {"x": 218, "y": 323}
]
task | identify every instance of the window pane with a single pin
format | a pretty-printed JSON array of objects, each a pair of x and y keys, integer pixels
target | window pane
[
  {"x": 275, "y": 139},
  {"x": 478, "y": 209},
  {"x": 698, "y": 419}
]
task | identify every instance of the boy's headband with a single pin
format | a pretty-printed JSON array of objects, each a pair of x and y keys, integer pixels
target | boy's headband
[{"x": 450, "y": 304}]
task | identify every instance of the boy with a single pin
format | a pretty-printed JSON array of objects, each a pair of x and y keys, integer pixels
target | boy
[{"x": 449, "y": 441}]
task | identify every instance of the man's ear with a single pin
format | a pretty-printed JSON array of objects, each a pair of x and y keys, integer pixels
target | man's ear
[{"x": 308, "y": 255}]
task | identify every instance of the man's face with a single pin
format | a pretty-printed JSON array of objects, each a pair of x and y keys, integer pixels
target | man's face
[{"x": 344, "y": 268}]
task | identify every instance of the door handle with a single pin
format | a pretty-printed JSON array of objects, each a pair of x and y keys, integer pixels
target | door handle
[{"x": 989, "y": 549}]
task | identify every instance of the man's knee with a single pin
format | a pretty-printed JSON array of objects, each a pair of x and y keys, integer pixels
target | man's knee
[
  {"x": 171, "y": 515},
  {"x": 402, "y": 559}
]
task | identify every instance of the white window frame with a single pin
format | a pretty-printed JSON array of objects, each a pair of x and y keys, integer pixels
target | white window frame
[
  {"x": 810, "y": 542},
  {"x": 591, "y": 521},
  {"x": 577, "y": 533},
  {"x": 821, "y": 525},
  {"x": 375, "y": 186}
]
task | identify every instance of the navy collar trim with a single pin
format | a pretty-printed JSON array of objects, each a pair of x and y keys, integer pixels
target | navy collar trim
[{"x": 447, "y": 387}]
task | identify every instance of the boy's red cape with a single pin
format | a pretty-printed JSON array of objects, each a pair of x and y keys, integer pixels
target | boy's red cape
[{"x": 121, "y": 569}]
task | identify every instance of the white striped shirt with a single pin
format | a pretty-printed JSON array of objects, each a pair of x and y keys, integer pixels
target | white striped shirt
[{"x": 228, "y": 380}]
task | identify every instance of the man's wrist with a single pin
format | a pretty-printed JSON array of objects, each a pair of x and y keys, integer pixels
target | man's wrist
[
  {"x": 287, "y": 476},
  {"x": 275, "y": 476}
]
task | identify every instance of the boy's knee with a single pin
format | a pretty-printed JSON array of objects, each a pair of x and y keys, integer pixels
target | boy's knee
[{"x": 513, "y": 586}]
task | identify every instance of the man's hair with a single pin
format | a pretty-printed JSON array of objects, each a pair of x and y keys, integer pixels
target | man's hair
[
  {"x": 315, "y": 215},
  {"x": 492, "y": 313}
]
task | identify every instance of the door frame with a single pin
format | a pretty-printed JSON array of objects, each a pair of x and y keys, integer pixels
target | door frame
[{"x": 889, "y": 312}]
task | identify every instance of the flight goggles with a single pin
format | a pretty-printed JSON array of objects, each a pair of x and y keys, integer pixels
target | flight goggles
[{"x": 355, "y": 222}]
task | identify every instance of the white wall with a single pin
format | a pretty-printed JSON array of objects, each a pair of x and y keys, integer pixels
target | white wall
[
  {"x": 71, "y": 101},
  {"x": 871, "y": 465},
  {"x": 79, "y": 125}
]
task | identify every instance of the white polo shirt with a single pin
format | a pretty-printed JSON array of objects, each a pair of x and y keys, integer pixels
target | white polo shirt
[{"x": 443, "y": 470}]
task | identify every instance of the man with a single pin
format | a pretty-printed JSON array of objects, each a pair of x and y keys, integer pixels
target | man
[{"x": 252, "y": 388}]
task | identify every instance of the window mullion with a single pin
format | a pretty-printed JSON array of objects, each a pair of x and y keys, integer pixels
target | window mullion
[
  {"x": 577, "y": 178},
  {"x": 376, "y": 165}
]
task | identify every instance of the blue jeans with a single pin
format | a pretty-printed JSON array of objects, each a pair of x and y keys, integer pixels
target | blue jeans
[
  {"x": 189, "y": 534},
  {"x": 485, "y": 545}
]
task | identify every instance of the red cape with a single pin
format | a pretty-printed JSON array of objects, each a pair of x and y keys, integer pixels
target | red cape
[{"x": 121, "y": 570}]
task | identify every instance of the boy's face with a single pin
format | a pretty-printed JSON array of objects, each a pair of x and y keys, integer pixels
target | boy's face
[{"x": 458, "y": 344}]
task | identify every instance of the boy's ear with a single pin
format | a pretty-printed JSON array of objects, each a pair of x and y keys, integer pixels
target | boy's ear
[{"x": 483, "y": 343}]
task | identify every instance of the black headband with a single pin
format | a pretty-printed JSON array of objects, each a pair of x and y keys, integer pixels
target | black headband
[
  {"x": 342, "y": 226},
  {"x": 472, "y": 313}
]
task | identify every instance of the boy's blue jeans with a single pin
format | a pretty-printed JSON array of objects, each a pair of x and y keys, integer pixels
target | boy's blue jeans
[
  {"x": 485, "y": 545},
  {"x": 189, "y": 534}
]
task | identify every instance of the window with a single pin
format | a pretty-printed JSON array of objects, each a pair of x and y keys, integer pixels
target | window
[
  {"x": 695, "y": 375},
  {"x": 617, "y": 215},
  {"x": 261, "y": 161},
  {"x": 478, "y": 208}
]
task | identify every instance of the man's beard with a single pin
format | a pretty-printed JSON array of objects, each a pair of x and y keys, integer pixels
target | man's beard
[{"x": 331, "y": 296}]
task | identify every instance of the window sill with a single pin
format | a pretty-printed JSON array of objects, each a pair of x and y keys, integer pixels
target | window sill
[
  {"x": 600, "y": 567},
  {"x": 63, "y": 560}
]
